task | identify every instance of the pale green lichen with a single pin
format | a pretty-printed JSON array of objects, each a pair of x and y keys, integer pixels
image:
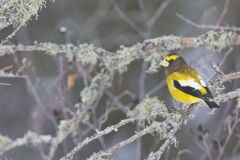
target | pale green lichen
[
  {"x": 170, "y": 138},
  {"x": 216, "y": 41},
  {"x": 67, "y": 126},
  {"x": 148, "y": 106},
  {"x": 154, "y": 59},
  {"x": 164, "y": 43},
  {"x": 17, "y": 13},
  {"x": 99, "y": 82},
  {"x": 84, "y": 53},
  {"x": 153, "y": 50},
  {"x": 124, "y": 56},
  {"x": 216, "y": 85},
  {"x": 86, "y": 117},
  {"x": 227, "y": 96},
  {"x": 4, "y": 141},
  {"x": 31, "y": 138},
  {"x": 101, "y": 155},
  {"x": 10, "y": 75},
  {"x": 161, "y": 129},
  {"x": 87, "y": 54},
  {"x": 20, "y": 11},
  {"x": 51, "y": 49},
  {"x": 174, "y": 118},
  {"x": 146, "y": 109},
  {"x": 64, "y": 127},
  {"x": 6, "y": 49},
  {"x": 238, "y": 102}
]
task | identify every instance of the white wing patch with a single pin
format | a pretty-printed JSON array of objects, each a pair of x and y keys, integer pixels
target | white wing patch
[
  {"x": 191, "y": 83},
  {"x": 202, "y": 82}
]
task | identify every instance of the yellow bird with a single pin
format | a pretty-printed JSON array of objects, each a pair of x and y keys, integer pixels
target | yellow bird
[{"x": 184, "y": 83}]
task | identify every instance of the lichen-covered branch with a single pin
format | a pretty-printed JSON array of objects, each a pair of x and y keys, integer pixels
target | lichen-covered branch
[
  {"x": 151, "y": 49},
  {"x": 97, "y": 135},
  {"x": 29, "y": 139},
  {"x": 170, "y": 139},
  {"x": 18, "y": 12}
]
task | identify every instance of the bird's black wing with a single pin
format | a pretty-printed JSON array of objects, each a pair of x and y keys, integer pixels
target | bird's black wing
[
  {"x": 196, "y": 93},
  {"x": 189, "y": 90}
]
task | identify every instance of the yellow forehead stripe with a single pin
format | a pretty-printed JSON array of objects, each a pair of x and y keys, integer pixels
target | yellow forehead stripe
[{"x": 171, "y": 57}]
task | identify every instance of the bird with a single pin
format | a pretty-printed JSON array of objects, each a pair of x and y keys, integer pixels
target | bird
[{"x": 184, "y": 83}]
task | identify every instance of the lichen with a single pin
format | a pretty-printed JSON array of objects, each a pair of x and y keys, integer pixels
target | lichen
[
  {"x": 216, "y": 85},
  {"x": 6, "y": 49},
  {"x": 146, "y": 109},
  {"x": 216, "y": 41},
  {"x": 4, "y": 141},
  {"x": 101, "y": 155},
  {"x": 162, "y": 44},
  {"x": 153, "y": 50},
  {"x": 124, "y": 56},
  {"x": 87, "y": 54},
  {"x": 89, "y": 94},
  {"x": 33, "y": 138},
  {"x": 64, "y": 127},
  {"x": 154, "y": 59},
  {"x": 84, "y": 53},
  {"x": 161, "y": 129},
  {"x": 50, "y": 48},
  {"x": 238, "y": 102},
  {"x": 20, "y": 11},
  {"x": 9, "y": 75}
]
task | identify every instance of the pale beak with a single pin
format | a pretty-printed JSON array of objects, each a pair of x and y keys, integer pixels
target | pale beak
[{"x": 164, "y": 63}]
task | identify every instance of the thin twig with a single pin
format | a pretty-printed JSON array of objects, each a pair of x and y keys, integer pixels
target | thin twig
[
  {"x": 108, "y": 130},
  {"x": 225, "y": 9},
  {"x": 128, "y": 20},
  {"x": 142, "y": 80},
  {"x": 203, "y": 26},
  {"x": 131, "y": 139},
  {"x": 159, "y": 11}
]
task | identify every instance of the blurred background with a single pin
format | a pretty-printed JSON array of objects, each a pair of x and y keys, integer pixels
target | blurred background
[{"x": 52, "y": 86}]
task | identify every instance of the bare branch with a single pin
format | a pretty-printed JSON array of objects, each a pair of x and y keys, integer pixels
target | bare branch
[
  {"x": 203, "y": 26},
  {"x": 159, "y": 11},
  {"x": 226, "y": 4}
]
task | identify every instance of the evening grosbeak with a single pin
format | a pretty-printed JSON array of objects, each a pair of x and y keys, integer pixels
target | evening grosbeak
[{"x": 184, "y": 83}]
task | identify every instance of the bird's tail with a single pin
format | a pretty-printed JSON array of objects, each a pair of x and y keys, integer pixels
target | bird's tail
[{"x": 211, "y": 104}]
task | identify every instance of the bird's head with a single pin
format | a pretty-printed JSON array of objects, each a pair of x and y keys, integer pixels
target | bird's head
[
  {"x": 172, "y": 62},
  {"x": 170, "y": 59}
]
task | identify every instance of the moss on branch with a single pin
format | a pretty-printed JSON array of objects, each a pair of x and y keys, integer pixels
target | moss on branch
[
  {"x": 18, "y": 12},
  {"x": 150, "y": 50}
]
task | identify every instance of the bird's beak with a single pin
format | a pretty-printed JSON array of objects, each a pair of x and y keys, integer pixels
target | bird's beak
[{"x": 164, "y": 63}]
